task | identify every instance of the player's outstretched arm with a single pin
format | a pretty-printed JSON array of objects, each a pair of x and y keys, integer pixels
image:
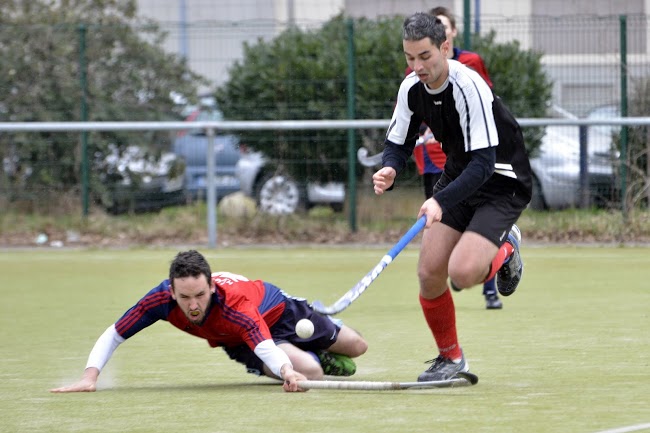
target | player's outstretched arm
[
  {"x": 99, "y": 356},
  {"x": 86, "y": 384}
]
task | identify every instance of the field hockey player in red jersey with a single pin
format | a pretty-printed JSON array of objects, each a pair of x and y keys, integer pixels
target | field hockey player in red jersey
[{"x": 253, "y": 321}]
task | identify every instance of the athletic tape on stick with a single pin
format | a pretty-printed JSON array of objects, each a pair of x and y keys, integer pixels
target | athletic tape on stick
[{"x": 380, "y": 386}]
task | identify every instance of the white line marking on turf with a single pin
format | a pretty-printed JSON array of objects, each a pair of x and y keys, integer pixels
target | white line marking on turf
[{"x": 627, "y": 429}]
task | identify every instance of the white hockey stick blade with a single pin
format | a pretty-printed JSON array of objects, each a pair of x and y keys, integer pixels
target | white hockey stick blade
[
  {"x": 386, "y": 386},
  {"x": 368, "y": 161}
]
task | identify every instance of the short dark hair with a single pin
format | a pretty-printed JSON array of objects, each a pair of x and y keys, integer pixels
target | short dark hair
[
  {"x": 441, "y": 10},
  {"x": 189, "y": 264},
  {"x": 423, "y": 25}
]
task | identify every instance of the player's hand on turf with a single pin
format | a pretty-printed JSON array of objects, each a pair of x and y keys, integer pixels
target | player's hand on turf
[
  {"x": 383, "y": 179},
  {"x": 86, "y": 384},
  {"x": 291, "y": 378},
  {"x": 432, "y": 210},
  {"x": 81, "y": 386}
]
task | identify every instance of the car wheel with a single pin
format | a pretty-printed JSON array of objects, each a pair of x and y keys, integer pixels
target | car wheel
[
  {"x": 537, "y": 201},
  {"x": 278, "y": 194}
]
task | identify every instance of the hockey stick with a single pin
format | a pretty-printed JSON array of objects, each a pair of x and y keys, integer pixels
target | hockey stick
[
  {"x": 352, "y": 294},
  {"x": 463, "y": 379},
  {"x": 374, "y": 160},
  {"x": 368, "y": 161}
]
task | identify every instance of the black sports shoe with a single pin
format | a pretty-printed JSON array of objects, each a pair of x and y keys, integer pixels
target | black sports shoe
[
  {"x": 443, "y": 369},
  {"x": 509, "y": 275},
  {"x": 492, "y": 302}
]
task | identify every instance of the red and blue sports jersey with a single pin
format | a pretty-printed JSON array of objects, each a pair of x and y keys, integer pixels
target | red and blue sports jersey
[
  {"x": 474, "y": 61},
  {"x": 241, "y": 311},
  {"x": 428, "y": 154}
]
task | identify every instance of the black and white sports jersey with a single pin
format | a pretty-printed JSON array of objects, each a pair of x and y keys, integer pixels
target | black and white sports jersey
[{"x": 464, "y": 116}]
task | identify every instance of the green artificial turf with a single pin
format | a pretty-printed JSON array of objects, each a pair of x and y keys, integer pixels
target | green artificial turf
[{"x": 569, "y": 352}]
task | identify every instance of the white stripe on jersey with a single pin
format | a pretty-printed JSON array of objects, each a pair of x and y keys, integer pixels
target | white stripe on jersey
[
  {"x": 505, "y": 170},
  {"x": 472, "y": 92},
  {"x": 402, "y": 113}
]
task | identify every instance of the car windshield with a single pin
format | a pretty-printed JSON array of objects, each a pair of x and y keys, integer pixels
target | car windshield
[{"x": 605, "y": 112}]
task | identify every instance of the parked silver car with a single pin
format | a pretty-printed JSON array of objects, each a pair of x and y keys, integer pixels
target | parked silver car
[
  {"x": 192, "y": 145},
  {"x": 556, "y": 170},
  {"x": 277, "y": 193}
]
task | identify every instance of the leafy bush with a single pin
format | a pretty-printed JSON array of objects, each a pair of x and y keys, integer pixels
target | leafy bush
[{"x": 303, "y": 75}]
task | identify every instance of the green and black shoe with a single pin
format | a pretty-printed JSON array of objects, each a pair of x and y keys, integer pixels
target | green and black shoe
[{"x": 335, "y": 364}]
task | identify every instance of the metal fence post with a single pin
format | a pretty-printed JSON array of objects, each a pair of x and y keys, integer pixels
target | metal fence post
[
  {"x": 211, "y": 191},
  {"x": 584, "y": 167},
  {"x": 467, "y": 31},
  {"x": 352, "y": 159},
  {"x": 624, "y": 137},
  {"x": 83, "y": 83}
]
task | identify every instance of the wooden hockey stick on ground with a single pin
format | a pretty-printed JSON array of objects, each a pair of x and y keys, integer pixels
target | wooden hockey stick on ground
[{"x": 463, "y": 379}]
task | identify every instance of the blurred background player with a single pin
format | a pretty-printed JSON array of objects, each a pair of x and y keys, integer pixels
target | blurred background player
[
  {"x": 254, "y": 322},
  {"x": 429, "y": 157}
]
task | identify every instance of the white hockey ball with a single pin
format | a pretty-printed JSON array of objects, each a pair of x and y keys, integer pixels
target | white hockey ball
[{"x": 304, "y": 328}]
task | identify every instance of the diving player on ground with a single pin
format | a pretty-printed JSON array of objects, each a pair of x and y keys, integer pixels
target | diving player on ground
[{"x": 253, "y": 321}]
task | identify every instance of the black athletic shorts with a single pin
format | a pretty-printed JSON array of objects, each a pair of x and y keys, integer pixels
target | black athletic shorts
[
  {"x": 326, "y": 331},
  {"x": 491, "y": 211}
]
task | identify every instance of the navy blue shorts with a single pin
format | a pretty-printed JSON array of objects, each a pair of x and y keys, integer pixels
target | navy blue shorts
[
  {"x": 491, "y": 211},
  {"x": 284, "y": 331}
]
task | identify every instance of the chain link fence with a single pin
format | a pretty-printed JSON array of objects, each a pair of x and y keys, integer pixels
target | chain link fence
[{"x": 599, "y": 67}]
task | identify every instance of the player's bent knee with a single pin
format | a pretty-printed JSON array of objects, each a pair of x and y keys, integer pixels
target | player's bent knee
[
  {"x": 461, "y": 281},
  {"x": 350, "y": 343},
  {"x": 359, "y": 347},
  {"x": 464, "y": 279}
]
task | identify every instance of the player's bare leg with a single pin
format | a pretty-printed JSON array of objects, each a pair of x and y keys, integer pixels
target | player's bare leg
[
  {"x": 303, "y": 362},
  {"x": 349, "y": 343},
  {"x": 469, "y": 263},
  {"x": 439, "y": 244}
]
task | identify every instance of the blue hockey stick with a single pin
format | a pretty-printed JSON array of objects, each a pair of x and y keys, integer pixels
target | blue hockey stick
[{"x": 352, "y": 294}]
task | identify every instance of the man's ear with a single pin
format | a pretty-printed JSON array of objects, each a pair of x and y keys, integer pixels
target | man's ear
[
  {"x": 444, "y": 47},
  {"x": 171, "y": 289},
  {"x": 213, "y": 287}
]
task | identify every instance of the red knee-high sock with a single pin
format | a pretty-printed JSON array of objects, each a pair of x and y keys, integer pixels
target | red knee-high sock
[
  {"x": 440, "y": 315},
  {"x": 504, "y": 252}
]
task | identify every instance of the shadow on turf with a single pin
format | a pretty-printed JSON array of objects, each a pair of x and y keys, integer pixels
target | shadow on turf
[{"x": 193, "y": 387}]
